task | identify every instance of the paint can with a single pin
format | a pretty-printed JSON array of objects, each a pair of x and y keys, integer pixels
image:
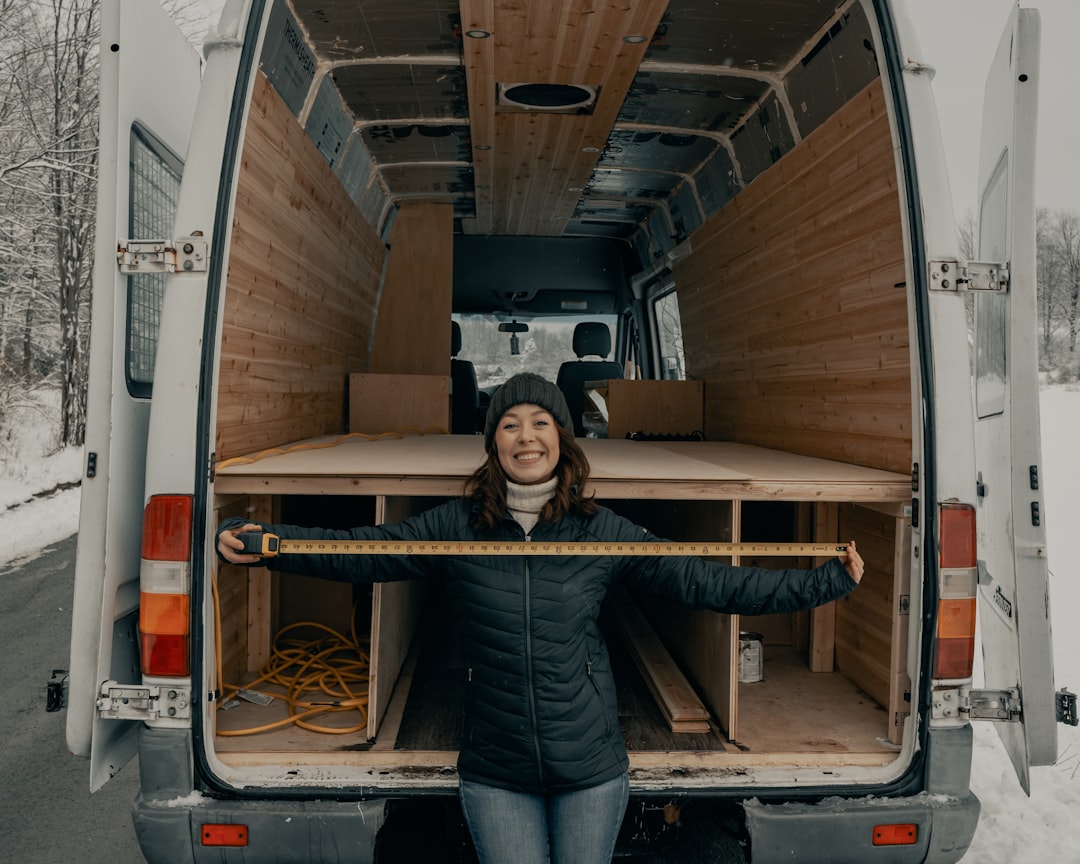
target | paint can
[{"x": 751, "y": 658}]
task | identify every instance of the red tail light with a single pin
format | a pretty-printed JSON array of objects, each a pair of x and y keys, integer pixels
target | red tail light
[
  {"x": 224, "y": 835},
  {"x": 904, "y": 834},
  {"x": 165, "y": 583},
  {"x": 958, "y": 547}
]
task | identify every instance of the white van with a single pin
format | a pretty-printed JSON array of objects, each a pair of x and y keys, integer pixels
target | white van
[{"x": 319, "y": 253}]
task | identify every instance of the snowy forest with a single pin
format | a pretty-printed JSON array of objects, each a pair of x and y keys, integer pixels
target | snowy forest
[
  {"x": 48, "y": 182},
  {"x": 48, "y": 161}
]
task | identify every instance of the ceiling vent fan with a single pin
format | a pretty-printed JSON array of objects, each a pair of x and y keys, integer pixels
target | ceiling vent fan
[{"x": 548, "y": 98}]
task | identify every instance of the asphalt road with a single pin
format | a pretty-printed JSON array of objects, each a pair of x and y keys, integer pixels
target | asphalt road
[{"x": 47, "y": 814}]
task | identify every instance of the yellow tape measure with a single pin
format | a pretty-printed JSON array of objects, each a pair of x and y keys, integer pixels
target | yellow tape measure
[{"x": 269, "y": 545}]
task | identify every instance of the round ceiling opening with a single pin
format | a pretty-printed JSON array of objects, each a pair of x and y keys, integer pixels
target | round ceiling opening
[{"x": 550, "y": 97}]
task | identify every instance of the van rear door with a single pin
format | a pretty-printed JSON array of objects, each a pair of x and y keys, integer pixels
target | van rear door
[
  {"x": 1014, "y": 610},
  {"x": 149, "y": 86}
]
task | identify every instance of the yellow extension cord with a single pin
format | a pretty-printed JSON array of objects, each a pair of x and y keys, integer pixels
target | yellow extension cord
[
  {"x": 311, "y": 660},
  {"x": 329, "y": 666}
]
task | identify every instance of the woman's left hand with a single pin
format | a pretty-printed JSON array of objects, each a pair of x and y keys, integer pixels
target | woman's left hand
[{"x": 853, "y": 563}]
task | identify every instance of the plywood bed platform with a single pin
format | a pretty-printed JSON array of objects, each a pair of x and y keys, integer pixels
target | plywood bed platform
[{"x": 439, "y": 464}]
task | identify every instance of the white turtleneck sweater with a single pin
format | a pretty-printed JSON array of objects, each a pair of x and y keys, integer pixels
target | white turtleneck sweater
[{"x": 526, "y": 502}]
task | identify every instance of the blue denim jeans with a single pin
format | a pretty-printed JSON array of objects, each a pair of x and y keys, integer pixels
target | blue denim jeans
[{"x": 569, "y": 828}]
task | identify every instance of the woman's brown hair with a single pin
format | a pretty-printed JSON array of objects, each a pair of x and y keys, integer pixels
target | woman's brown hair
[{"x": 487, "y": 485}]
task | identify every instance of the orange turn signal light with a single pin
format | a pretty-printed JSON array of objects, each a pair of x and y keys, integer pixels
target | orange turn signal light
[{"x": 954, "y": 648}]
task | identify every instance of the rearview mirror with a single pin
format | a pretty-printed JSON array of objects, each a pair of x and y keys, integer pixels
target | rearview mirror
[{"x": 513, "y": 327}]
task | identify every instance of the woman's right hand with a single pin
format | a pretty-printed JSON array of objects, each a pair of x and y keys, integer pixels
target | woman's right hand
[{"x": 228, "y": 544}]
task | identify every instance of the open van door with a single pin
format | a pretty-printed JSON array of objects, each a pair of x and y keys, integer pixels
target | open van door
[
  {"x": 149, "y": 87},
  {"x": 1014, "y": 611}
]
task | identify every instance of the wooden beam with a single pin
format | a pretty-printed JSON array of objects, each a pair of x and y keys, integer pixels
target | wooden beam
[{"x": 675, "y": 697}]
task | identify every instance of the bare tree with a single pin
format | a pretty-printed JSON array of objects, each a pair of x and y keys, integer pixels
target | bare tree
[
  {"x": 1049, "y": 283},
  {"x": 1068, "y": 235},
  {"x": 72, "y": 179},
  {"x": 48, "y": 171},
  {"x": 965, "y": 236}
]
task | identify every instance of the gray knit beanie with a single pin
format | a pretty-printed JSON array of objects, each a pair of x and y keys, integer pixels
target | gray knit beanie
[{"x": 526, "y": 387}]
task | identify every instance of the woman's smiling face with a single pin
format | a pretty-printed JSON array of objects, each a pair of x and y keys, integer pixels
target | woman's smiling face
[{"x": 527, "y": 441}]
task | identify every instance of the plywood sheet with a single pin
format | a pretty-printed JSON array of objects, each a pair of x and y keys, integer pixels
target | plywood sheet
[
  {"x": 798, "y": 711},
  {"x": 412, "y": 331},
  {"x": 654, "y": 407},
  {"x": 620, "y": 468},
  {"x": 397, "y": 403}
]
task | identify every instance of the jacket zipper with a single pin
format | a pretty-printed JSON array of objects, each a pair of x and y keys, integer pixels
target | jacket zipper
[
  {"x": 529, "y": 673},
  {"x": 599, "y": 693}
]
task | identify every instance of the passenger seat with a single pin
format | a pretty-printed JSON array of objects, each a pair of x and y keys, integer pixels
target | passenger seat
[
  {"x": 591, "y": 338},
  {"x": 464, "y": 390}
]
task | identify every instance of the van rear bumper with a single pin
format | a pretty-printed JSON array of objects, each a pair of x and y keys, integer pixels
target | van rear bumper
[
  {"x": 841, "y": 830},
  {"x": 277, "y": 832},
  {"x": 169, "y": 818}
]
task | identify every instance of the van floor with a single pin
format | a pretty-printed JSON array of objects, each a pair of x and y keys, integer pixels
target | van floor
[{"x": 791, "y": 710}]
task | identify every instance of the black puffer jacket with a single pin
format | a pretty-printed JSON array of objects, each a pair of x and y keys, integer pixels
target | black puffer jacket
[{"x": 541, "y": 710}]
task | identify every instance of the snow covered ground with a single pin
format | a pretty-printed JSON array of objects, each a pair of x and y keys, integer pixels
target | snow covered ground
[{"x": 1013, "y": 829}]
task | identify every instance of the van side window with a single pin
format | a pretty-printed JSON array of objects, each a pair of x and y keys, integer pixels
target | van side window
[
  {"x": 154, "y": 185},
  {"x": 990, "y": 309},
  {"x": 669, "y": 336}
]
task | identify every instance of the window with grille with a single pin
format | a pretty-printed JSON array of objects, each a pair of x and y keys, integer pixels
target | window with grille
[{"x": 154, "y": 190}]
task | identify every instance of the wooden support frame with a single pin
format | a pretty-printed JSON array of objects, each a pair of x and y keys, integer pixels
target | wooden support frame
[
  {"x": 872, "y": 622},
  {"x": 706, "y": 495},
  {"x": 823, "y": 618},
  {"x": 395, "y": 612}
]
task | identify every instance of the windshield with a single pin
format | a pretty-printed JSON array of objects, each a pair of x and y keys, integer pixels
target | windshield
[{"x": 543, "y": 348}]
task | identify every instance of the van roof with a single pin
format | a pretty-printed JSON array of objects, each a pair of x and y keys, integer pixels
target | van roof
[{"x": 627, "y": 121}]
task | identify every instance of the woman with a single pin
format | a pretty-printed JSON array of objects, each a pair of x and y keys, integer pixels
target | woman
[{"x": 542, "y": 766}]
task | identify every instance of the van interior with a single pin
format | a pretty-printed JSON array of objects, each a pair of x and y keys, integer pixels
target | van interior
[{"x": 691, "y": 217}]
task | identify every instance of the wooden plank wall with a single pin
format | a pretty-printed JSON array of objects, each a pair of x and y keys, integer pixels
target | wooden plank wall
[
  {"x": 793, "y": 301},
  {"x": 304, "y": 274}
]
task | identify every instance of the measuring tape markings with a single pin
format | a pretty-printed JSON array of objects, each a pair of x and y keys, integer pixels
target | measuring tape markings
[{"x": 269, "y": 545}]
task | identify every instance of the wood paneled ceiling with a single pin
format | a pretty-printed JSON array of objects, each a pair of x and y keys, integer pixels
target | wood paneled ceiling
[{"x": 677, "y": 83}]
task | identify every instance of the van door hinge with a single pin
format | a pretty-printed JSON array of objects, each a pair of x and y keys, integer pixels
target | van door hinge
[
  {"x": 186, "y": 254},
  {"x": 956, "y": 702},
  {"x": 970, "y": 276},
  {"x": 132, "y": 702},
  {"x": 1065, "y": 703}
]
